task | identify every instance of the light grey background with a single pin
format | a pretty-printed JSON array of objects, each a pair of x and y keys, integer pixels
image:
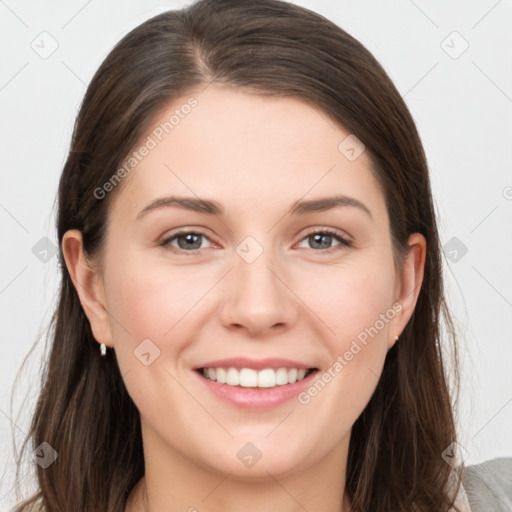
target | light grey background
[{"x": 460, "y": 100}]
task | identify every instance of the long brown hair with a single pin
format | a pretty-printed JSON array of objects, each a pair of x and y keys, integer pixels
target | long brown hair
[{"x": 266, "y": 47}]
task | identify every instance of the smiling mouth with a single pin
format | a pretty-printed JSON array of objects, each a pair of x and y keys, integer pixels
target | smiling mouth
[{"x": 250, "y": 378}]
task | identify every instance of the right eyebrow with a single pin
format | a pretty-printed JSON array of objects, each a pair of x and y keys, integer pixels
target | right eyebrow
[{"x": 206, "y": 206}]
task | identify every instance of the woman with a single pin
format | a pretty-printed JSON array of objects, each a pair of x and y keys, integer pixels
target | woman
[{"x": 251, "y": 298}]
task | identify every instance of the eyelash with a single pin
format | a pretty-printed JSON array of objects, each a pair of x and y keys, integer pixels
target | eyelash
[{"x": 344, "y": 242}]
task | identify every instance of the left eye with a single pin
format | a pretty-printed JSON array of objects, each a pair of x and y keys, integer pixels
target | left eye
[
  {"x": 190, "y": 241},
  {"x": 323, "y": 238}
]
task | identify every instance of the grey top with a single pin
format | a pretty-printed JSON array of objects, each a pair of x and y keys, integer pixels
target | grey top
[{"x": 488, "y": 486}]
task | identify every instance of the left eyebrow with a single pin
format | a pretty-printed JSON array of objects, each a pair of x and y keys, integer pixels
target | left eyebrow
[{"x": 327, "y": 203}]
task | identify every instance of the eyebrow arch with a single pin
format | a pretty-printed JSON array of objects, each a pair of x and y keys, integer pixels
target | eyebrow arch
[
  {"x": 327, "y": 203},
  {"x": 210, "y": 207},
  {"x": 207, "y": 206}
]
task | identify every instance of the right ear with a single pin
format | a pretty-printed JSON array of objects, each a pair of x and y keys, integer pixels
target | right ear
[{"x": 89, "y": 286}]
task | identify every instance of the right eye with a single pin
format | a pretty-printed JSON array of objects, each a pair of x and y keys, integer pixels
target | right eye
[{"x": 187, "y": 241}]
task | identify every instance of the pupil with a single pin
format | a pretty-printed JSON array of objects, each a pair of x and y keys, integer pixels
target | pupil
[
  {"x": 189, "y": 241},
  {"x": 317, "y": 238}
]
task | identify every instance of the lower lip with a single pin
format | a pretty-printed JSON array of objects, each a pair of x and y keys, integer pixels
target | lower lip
[{"x": 257, "y": 398}]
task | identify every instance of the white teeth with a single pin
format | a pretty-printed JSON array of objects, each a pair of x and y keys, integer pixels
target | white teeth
[
  {"x": 282, "y": 376},
  {"x": 233, "y": 377},
  {"x": 266, "y": 378},
  {"x": 220, "y": 376},
  {"x": 250, "y": 378}
]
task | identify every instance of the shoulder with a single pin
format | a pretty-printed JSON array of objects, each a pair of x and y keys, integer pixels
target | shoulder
[{"x": 488, "y": 486}]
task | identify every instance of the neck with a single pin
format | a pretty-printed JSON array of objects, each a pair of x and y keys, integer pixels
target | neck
[
  {"x": 173, "y": 483},
  {"x": 140, "y": 502}
]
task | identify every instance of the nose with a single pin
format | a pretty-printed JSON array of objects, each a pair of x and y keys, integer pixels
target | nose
[{"x": 258, "y": 298}]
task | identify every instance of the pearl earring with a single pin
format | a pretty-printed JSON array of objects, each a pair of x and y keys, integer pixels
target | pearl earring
[{"x": 103, "y": 349}]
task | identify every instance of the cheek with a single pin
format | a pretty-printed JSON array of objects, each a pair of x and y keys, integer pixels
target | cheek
[
  {"x": 151, "y": 307},
  {"x": 349, "y": 299},
  {"x": 355, "y": 303},
  {"x": 149, "y": 300}
]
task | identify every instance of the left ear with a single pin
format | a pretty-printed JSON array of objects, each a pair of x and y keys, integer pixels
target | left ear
[{"x": 409, "y": 285}]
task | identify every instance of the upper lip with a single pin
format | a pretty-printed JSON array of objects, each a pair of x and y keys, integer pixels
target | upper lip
[{"x": 255, "y": 364}]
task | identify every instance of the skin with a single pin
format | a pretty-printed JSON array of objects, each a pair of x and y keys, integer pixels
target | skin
[{"x": 255, "y": 156}]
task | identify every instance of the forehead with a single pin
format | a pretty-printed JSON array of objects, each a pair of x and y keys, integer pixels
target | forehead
[{"x": 237, "y": 146}]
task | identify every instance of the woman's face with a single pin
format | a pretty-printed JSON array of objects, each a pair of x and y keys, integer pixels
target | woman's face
[{"x": 251, "y": 283}]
